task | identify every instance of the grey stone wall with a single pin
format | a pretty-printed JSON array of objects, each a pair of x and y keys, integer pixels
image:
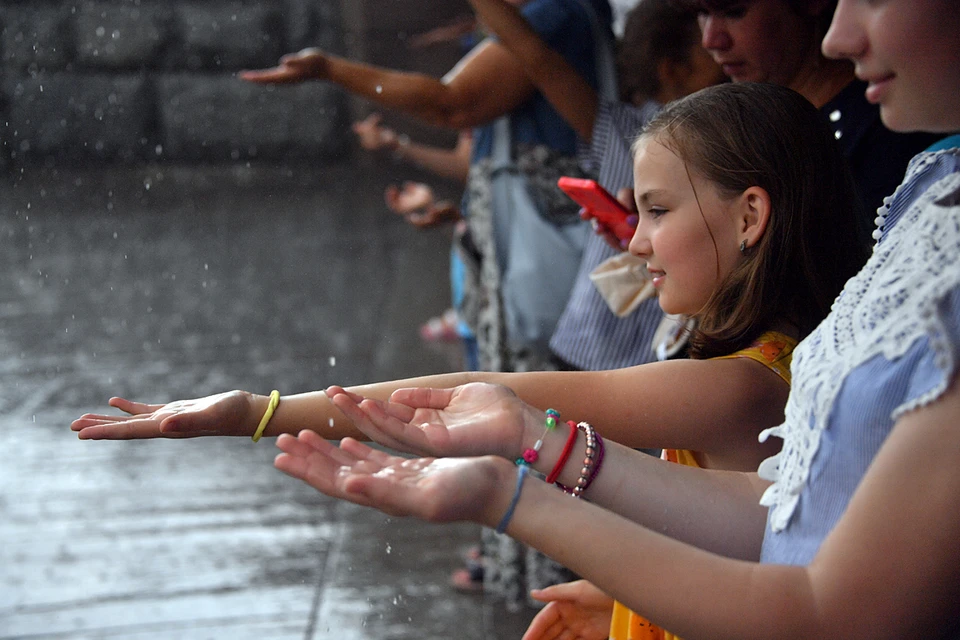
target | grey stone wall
[{"x": 147, "y": 80}]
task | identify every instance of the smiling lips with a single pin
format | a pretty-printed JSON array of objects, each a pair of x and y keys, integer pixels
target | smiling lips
[
  {"x": 656, "y": 276},
  {"x": 876, "y": 87}
]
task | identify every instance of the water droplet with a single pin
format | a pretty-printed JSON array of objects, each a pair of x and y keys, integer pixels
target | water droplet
[
  {"x": 379, "y": 89},
  {"x": 333, "y": 361}
]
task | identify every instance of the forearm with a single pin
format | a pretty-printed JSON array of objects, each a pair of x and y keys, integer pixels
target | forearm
[
  {"x": 467, "y": 97},
  {"x": 642, "y": 488},
  {"x": 446, "y": 163},
  {"x": 567, "y": 90},
  {"x": 660, "y": 577},
  {"x": 412, "y": 93},
  {"x": 314, "y": 411}
]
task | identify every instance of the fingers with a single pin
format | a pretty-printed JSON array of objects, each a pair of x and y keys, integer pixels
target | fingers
[
  {"x": 546, "y": 625},
  {"x": 112, "y": 430},
  {"x": 562, "y": 591},
  {"x": 376, "y": 423},
  {"x": 336, "y": 472},
  {"x": 423, "y": 397},
  {"x": 133, "y": 408}
]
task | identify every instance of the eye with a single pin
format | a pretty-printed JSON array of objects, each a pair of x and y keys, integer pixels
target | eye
[
  {"x": 656, "y": 212},
  {"x": 735, "y": 13}
]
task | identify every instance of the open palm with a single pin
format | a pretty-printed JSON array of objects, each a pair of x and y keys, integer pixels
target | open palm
[
  {"x": 447, "y": 490},
  {"x": 308, "y": 64},
  {"x": 470, "y": 420},
  {"x": 223, "y": 414}
]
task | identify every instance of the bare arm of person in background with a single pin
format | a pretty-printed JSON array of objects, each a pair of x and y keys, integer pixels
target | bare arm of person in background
[
  {"x": 446, "y": 163},
  {"x": 487, "y": 83},
  {"x": 568, "y": 91}
]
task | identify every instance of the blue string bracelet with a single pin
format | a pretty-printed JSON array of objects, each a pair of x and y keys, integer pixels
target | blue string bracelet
[{"x": 522, "y": 471}]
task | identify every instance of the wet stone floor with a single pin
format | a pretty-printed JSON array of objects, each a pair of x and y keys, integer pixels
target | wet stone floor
[{"x": 160, "y": 283}]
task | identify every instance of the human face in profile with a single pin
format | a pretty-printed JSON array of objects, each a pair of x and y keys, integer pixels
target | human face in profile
[
  {"x": 686, "y": 232},
  {"x": 908, "y": 51}
]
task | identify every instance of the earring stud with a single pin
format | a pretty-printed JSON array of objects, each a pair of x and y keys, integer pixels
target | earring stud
[{"x": 743, "y": 246}]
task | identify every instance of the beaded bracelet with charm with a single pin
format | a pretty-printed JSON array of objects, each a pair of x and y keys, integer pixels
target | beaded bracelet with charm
[{"x": 531, "y": 455}]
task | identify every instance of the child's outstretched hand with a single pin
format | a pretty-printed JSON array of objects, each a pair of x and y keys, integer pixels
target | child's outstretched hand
[
  {"x": 308, "y": 64},
  {"x": 436, "y": 490},
  {"x": 470, "y": 420},
  {"x": 224, "y": 414},
  {"x": 574, "y": 610}
]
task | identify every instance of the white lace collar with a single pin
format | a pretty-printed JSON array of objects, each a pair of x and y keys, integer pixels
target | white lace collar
[{"x": 884, "y": 309}]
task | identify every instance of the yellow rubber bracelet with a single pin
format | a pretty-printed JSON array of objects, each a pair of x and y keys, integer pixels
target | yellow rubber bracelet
[{"x": 271, "y": 407}]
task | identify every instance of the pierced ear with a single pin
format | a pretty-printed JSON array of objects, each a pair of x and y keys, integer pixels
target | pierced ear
[{"x": 754, "y": 215}]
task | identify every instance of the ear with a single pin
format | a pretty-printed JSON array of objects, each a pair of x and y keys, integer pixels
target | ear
[{"x": 753, "y": 215}]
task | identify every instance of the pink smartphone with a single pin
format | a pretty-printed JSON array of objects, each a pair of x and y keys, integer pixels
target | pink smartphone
[{"x": 599, "y": 204}]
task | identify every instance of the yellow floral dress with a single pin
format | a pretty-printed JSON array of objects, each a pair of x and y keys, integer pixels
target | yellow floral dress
[{"x": 773, "y": 350}]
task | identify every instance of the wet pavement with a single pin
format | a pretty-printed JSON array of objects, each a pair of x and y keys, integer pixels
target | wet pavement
[{"x": 165, "y": 282}]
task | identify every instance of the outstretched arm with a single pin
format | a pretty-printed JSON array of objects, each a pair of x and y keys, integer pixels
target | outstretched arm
[
  {"x": 486, "y": 84},
  {"x": 714, "y": 406},
  {"x": 892, "y": 559},
  {"x": 568, "y": 91}
]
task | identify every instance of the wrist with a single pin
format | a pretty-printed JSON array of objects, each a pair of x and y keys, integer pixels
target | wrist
[
  {"x": 499, "y": 492},
  {"x": 256, "y": 407}
]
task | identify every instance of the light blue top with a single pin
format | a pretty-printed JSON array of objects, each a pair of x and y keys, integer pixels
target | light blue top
[{"x": 890, "y": 344}]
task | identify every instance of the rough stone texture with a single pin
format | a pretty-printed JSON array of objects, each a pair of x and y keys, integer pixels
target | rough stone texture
[
  {"x": 34, "y": 40},
  {"x": 152, "y": 79},
  {"x": 228, "y": 36},
  {"x": 76, "y": 116},
  {"x": 121, "y": 36},
  {"x": 199, "y": 118}
]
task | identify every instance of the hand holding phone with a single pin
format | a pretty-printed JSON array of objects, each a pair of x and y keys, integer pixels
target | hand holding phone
[{"x": 599, "y": 204}]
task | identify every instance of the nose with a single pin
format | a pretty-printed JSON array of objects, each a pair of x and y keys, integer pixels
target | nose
[
  {"x": 713, "y": 33},
  {"x": 640, "y": 242},
  {"x": 845, "y": 38}
]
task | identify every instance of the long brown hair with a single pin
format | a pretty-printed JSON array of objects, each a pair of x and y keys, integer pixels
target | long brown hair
[{"x": 747, "y": 134}]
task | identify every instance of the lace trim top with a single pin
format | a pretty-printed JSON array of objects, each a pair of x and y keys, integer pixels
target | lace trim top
[{"x": 883, "y": 311}]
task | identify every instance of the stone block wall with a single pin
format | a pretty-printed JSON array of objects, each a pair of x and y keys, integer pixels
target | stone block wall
[{"x": 148, "y": 80}]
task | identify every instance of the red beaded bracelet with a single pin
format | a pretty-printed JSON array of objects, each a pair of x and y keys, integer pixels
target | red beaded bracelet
[{"x": 564, "y": 454}]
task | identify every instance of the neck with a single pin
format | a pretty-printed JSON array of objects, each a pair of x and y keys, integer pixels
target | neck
[{"x": 821, "y": 80}]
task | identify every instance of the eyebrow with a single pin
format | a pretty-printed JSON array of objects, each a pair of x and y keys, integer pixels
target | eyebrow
[{"x": 646, "y": 196}]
